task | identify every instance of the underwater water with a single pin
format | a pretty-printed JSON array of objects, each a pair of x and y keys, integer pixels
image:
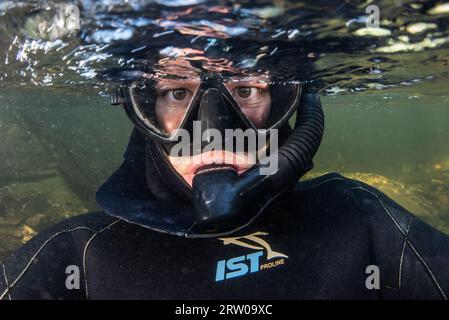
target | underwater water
[{"x": 384, "y": 91}]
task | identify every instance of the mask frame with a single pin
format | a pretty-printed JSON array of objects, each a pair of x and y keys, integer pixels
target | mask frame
[{"x": 124, "y": 95}]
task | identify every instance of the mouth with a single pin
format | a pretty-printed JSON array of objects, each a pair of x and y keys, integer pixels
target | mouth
[
  {"x": 189, "y": 166},
  {"x": 215, "y": 167}
]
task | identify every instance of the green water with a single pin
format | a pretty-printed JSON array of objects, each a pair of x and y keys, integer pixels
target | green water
[{"x": 57, "y": 147}]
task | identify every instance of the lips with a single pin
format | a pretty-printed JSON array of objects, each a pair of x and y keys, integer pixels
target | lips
[
  {"x": 213, "y": 167},
  {"x": 187, "y": 167}
]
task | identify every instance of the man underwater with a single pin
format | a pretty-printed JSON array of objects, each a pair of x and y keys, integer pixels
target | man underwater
[{"x": 209, "y": 224}]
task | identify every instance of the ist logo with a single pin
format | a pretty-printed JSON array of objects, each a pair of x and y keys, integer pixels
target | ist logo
[{"x": 248, "y": 263}]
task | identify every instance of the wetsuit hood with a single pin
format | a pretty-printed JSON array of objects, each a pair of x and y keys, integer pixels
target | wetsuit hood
[{"x": 128, "y": 194}]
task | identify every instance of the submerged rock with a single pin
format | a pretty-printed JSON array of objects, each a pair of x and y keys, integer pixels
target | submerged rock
[
  {"x": 27, "y": 233},
  {"x": 372, "y": 32},
  {"x": 420, "y": 27},
  {"x": 439, "y": 9},
  {"x": 425, "y": 198}
]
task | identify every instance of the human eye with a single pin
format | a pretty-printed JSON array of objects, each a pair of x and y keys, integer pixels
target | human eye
[
  {"x": 244, "y": 92},
  {"x": 247, "y": 96},
  {"x": 178, "y": 94},
  {"x": 175, "y": 97}
]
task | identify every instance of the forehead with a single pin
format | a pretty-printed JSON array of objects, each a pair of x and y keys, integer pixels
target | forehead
[
  {"x": 176, "y": 67},
  {"x": 192, "y": 69}
]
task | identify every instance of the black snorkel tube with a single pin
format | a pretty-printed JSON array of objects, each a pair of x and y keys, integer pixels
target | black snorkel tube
[{"x": 225, "y": 201}]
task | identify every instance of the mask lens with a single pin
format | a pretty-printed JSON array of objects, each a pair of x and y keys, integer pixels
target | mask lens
[
  {"x": 285, "y": 99},
  {"x": 253, "y": 99},
  {"x": 163, "y": 104},
  {"x": 265, "y": 104}
]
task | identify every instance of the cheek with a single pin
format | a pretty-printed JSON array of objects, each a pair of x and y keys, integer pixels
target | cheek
[
  {"x": 168, "y": 118},
  {"x": 260, "y": 114}
]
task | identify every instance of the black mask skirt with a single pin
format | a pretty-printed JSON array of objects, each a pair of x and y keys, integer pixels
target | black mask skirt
[{"x": 147, "y": 191}]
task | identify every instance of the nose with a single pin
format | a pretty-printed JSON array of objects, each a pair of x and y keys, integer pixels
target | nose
[{"x": 214, "y": 113}]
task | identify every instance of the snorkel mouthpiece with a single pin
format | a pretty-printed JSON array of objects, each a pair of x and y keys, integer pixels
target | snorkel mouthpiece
[
  {"x": 216, "y": 199},
  {"x": 221, "y": 198}
]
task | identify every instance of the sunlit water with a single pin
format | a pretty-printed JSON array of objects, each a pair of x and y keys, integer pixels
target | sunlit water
[{"x": 385, "y": 92}]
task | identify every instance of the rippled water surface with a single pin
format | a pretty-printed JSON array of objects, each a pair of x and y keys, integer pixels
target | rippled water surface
[{"x": 385, "y": 91}]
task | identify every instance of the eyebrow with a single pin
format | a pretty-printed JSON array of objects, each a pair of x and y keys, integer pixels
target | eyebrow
[{"x": 174, "y": 84}]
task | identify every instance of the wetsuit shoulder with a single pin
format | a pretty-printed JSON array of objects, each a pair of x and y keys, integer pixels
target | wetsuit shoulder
[
  {"x": 411, "y": 255},
  {"x": 37, "y": 270}
]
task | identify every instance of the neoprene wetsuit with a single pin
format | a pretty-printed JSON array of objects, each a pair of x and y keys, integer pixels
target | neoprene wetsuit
[{"x": 314, "y": 242}]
